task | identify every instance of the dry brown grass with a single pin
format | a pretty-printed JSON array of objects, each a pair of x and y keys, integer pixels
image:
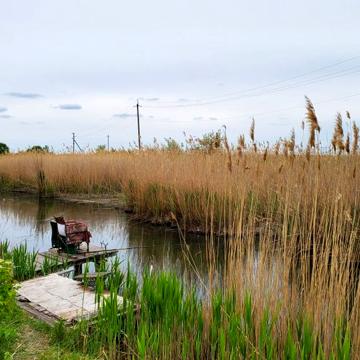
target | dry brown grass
[
  {"x": 291, "y": 224},
  {"x": 304, "y": 217}
]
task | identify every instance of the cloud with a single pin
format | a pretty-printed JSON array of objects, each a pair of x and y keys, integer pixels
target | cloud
[
  {"x": 24, "y": 95},
  {"x": 183, "y": 100},
  {"x": 2, "y": 109},
  {"x": 69, "y": 107},
  {"x": 202, "y": 118},
  {"x": 150, "y": 99},
  {"x": 5, "y": 116},
  {"x": 124, "y": 115},
  {"x": 32, "y": 123}
]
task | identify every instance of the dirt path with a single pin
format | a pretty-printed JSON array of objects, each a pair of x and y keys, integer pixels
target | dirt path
[{"x": 34, "y": 343}]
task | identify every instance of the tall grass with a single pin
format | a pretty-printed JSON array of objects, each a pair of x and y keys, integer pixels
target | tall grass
[
  {"x": 288, "y": 220},
  {"x": 164, "y": 320},
  {"x": 24, "y": 262},
  {"x": 158, "y": 184}
]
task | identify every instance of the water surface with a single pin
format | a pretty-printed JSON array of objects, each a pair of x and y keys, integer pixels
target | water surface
[{"x": 25, "y": 219}]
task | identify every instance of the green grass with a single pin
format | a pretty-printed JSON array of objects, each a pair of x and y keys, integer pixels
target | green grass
[
  {"x": 24, "y": 262},
  {"x": 161, "y": 319},
  {"x": 22, "y": 337}
]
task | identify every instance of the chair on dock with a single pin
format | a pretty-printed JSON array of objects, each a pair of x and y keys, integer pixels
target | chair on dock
[{"x": 67, "y": 235}]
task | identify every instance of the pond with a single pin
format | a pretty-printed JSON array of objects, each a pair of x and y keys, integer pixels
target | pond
[{"x": 25, "y": 219}]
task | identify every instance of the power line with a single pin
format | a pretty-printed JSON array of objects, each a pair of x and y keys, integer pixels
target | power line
[
  {"x": 245, "y": 93},
  {"x": 265, "y": 112},
  {"x": 297, "y": 107}
]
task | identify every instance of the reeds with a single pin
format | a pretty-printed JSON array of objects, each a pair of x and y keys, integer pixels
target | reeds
[
  {"x": 24, "y": 262},
  {"x": 312, "y": 120},
  {"x": 289, "y": 227},
  {"x": 355, "y": 144},
  {"x": 162, "y": 319},
  {"x": 337, "y": 139}
]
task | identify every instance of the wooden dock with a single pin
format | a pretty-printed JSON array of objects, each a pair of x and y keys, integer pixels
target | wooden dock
[
  {"x": 57, "y": 259},
  {"x": 54, "y": 297}
]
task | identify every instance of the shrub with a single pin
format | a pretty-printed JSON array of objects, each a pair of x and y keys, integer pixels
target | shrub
[
  {"x": 7, "y": 291},
  {"x": 8, "y": 332},
  {"x": 4, "y": 149}
]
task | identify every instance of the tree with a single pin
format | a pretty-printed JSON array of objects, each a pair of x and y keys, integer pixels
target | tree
[
  {"x": 100, "y": 148},
  {"x": 172, "y": 145},
  {"x": 38, "y": 148},
  {"x": 4, "y": 149},
  {"x": 208, "y": 142}
]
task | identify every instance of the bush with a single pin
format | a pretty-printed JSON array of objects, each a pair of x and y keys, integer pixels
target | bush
[
  {"x": 8, "y": 332},
  {"x": 4, "y": 149},
  {"x": 38, "y": 149},
  {"x": 207, "y": 143},
  {"x": 7, "y": 291}
]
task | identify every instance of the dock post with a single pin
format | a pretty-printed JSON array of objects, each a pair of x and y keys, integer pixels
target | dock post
[{"x": 77, "y": 269}]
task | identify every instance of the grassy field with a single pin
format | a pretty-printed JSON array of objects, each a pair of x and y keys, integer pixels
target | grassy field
[
  {"x": 195, "y": 187},
  {"x": 290, "y": 226},
  {"x": 287, "y": 217}
]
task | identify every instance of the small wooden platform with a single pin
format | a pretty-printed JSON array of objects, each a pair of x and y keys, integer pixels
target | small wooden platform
[
  {"x": 58, "y": 259},
  {"x": 54, "y": 297}
]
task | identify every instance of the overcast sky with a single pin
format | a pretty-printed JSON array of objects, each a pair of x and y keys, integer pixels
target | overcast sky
[{"x": 79, "y": 66}]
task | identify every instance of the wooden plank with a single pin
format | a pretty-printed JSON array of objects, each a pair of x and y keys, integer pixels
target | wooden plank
[
  {"x": 92, "y": 276},
  {"x": 55, "y": 297},
  {"x": 57, "y": 259},
  {"x": 45, "y": 317}
]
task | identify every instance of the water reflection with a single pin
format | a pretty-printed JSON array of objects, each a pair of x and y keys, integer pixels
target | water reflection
[{"x": 26, "y": 219}]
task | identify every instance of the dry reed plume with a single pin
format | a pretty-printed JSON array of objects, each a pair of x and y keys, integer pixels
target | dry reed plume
[
  {"x": 290, "y": 224},
  {"x": 312, "y": 121}
]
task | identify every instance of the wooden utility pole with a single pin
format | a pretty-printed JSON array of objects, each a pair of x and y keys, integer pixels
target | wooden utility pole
[
  {"x": 75, "y": 143},
  {"x": 138, "y": 124},
  {"x": 108, "y": 142}
]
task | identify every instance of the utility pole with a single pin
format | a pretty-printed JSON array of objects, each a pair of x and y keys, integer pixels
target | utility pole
[
  {"x": 138, "y": 123},
  {"x": 108, "y": 142},
  {"x": 75, "y": 143}
]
